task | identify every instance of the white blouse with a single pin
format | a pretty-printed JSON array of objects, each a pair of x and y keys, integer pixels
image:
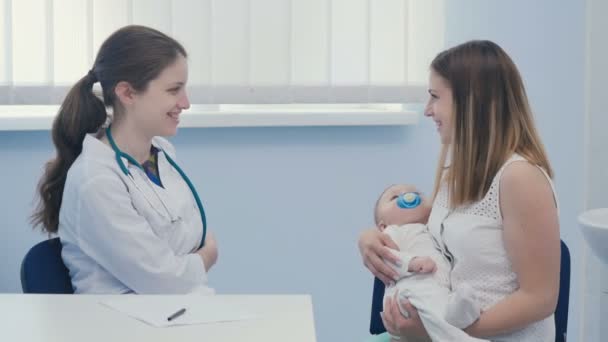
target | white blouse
[{"x": 473, "y": 237}]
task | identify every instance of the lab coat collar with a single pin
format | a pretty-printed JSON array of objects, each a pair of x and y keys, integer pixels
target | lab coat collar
[
  {"x": 91, "y": 146},
  {"x": 97, "y": 149}
]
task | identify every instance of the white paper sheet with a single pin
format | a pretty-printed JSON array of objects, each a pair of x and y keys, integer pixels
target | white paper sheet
[{"x": 155, "y": 310}]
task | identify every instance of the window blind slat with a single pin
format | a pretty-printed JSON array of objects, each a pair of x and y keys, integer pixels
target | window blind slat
[
  {"x": 49, "y": 41},
  {"x": 108, "y": 16},
  {"x": 5, "y": 37},
  {"x": 349, "y": 40},
  {"x": 309, "y": 43},
  {"x": 29, "y": 42},
  {"x": 425, "y": 37},
  {"x": 387, "y": 40},
  {"x": 230, "y": 39},
  {"x": 193, "y": 30},
  {"x": 70, "y": 41},
  {"x": 270, "y": 31},
  {"x": 153, "y": 13}
]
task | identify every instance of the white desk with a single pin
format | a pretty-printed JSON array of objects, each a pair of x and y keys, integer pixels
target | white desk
[{"x": 67, "y": 318}]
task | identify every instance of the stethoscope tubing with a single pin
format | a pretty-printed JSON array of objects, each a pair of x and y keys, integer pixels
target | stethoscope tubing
[{"x": 119, "y": 155}]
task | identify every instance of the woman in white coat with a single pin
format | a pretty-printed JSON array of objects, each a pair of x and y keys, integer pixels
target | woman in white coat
[{"x": 128, "y": 218}]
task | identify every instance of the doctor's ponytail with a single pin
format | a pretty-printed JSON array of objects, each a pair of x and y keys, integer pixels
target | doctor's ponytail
[{"x": 80, "y": 113}]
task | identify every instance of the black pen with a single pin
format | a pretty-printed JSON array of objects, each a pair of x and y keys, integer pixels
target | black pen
[{"x": 176, "y": 314}]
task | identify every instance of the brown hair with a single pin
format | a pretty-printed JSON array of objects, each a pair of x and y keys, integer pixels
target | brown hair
[
  {"x": 134, "y": 54},
  {"x": 492, "y": 120}
]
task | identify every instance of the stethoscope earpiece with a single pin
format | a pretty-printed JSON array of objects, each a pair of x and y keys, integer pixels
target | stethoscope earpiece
[{"x": 409, "y": 200}]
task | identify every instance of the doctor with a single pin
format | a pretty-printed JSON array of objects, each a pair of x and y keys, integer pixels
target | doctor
[{"x": 129, "y": 219}]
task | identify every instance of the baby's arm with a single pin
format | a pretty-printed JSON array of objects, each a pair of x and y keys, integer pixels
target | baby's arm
[
  {"x": 413, "y": 256},
  {"x": 402, "y": 268},
  {"x": 422, "y": 264},
  {"x": 412, "y": 264}
]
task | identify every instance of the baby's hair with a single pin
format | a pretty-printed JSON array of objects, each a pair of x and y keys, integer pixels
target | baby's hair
[{"x": 376, "y": 218}]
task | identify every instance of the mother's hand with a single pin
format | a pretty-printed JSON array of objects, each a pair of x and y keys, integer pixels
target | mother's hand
[
  {"x": 396, "y": 324},
  {"x": 373, "y": 246}
]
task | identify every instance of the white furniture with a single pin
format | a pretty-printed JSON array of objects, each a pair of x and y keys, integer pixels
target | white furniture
[
  {"x": 594, "y": 224},
  {"x": 67, "y": 318}
]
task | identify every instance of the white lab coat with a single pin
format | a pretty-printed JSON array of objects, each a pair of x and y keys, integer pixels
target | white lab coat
[{"x": 118, "y": 237}]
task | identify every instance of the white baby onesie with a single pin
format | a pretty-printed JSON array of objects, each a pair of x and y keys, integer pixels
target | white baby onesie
[{"x": 430, "y": 293}]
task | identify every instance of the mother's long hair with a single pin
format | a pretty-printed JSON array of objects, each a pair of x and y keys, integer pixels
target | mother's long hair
[{"x": 492, "y": 120}]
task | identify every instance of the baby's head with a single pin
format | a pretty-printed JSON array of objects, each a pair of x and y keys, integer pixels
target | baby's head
[{"x": 388, "y": 212}]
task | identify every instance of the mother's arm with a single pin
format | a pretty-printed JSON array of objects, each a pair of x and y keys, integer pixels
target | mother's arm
[
  {"x": 396, "y": 324},
  {"x": 373, "y": 246},
  {"x": 531, "y": 236}
]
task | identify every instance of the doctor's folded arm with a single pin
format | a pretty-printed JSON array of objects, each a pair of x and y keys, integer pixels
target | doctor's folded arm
[
  {"x": 114, "y": 237},
  {"x": 128, "y": 217}
]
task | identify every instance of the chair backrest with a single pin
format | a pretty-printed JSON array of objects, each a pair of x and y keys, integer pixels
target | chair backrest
[
  {"x": 375, "y": 323},
  {"x": 43, "y": 270},
  {"x": 561, "y": 311}
]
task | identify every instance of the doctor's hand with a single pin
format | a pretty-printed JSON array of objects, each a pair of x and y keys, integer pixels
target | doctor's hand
[
  {"x": 396, "y": 323},
  {"x": 209, "y": 251},
  {"x": 374, "y": 247}
]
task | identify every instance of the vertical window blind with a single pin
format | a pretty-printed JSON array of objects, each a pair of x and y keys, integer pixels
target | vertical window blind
[{"x": 240, "y": 51}]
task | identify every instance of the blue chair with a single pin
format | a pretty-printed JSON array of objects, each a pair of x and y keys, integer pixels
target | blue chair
[
  {"x": 43, "y": 271},
  {"x": 561, "y": 312},
  {"x": 563, "y": 301}
]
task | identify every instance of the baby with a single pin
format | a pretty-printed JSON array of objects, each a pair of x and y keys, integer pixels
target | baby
[{"x": 402, "y": 213}]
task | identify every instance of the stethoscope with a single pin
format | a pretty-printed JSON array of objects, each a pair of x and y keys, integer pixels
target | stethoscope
[{"x": 120, "y": 154}]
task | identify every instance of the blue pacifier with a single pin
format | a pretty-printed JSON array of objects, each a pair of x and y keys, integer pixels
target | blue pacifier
[{"x": 409, "y": 200}]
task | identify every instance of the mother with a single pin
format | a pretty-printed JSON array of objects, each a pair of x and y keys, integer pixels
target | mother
[{"x": 495, "y": 212}]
